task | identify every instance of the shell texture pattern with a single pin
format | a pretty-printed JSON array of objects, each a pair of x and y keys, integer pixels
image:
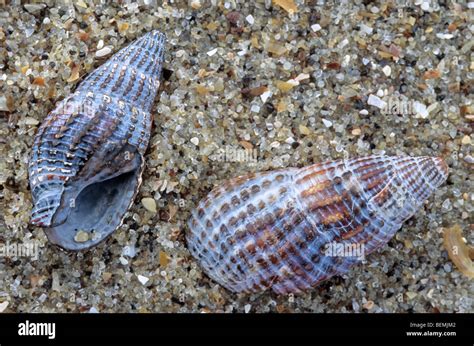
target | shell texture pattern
[
  {"x": 87, "y": 158},
  {"x": 288, "y": 230}
]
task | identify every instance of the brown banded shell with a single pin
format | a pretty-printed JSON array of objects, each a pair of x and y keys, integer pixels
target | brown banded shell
[
  {"x": 87, "y": 158},
  {"x": 290, "y": 229}
]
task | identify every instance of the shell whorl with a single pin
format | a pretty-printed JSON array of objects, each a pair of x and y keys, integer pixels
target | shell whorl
[
  {"x": 96, "y": 135},
  {"x": 272, "y": 230}
]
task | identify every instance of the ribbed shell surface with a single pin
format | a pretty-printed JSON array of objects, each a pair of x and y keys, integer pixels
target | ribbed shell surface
[
  {"x": 272, "y": 230},
  {"x": 90, "y": 129}
]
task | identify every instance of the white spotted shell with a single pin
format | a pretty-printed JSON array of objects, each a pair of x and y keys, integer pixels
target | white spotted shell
[{"x": 290, "y": 229}]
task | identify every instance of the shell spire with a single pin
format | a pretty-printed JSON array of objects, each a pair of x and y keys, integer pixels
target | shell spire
[
  {"x": 290, "y": 229},
  {"x": 87, "y": 157},
  {"x": 132, "y": 74}
]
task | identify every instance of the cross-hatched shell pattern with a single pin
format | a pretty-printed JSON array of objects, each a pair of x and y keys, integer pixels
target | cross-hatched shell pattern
[
  {"x": 277, "y": 230},
  {"x": 87, "y": 158}
]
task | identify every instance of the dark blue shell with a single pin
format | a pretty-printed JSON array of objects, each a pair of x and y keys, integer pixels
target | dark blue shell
[{"x": 87, "y": 158}]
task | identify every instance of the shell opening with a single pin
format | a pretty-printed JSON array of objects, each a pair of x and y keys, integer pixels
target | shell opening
[{"x": 97, "y": 209}]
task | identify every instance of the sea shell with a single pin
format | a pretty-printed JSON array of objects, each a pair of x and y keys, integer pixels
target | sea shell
[
  {"x": 87, "y": 158},
  {"x": 458, "y": 251},
  {"x": 290, "y": 229}
]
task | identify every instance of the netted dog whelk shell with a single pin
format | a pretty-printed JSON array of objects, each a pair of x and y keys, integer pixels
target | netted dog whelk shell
[
  {"x": 290, "y": 229},
  {"x": 87, "y": 158}
]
